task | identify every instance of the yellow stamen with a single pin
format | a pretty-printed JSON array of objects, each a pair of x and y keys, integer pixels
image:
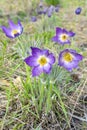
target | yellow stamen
[
  {"x": 64, "y": 37},
  {"x": 42, "y": 60},
  {"x": 68, "y": 57},
  {"x": 14, "y": 32}
]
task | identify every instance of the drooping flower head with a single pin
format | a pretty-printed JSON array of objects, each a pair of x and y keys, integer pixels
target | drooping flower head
[
  {"x": 69, "y": 59},
  {"x": 78, "y": 10},
  {"x": 40, "y": 60},
  {"x": 33, "y": 18},
  {"x": 62, "y": 36},
  {"x": 56, "y": 8},
  {"x": 45, "y": 10},
  {"x": 50, "y": 11},
  {"x": 14, "y": 30}
]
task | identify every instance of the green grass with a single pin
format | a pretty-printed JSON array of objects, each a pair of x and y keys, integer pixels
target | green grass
[{"x": 52, "y": 2}]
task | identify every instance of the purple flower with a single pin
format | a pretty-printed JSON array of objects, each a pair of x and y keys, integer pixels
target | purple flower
[
  {"x": 45, "y": 9},
  {"x": 33, "y": 19},
  {"x": 40, "y": 4},
  {"x": 40, "y": 12},
  {"x": 14, "y": 30},
  {"x": 40, "y": 60},
  {"x": 56, "y": 8},
  {"x": 78, "y": 10},
  {"x": 69, "y": 59},
  {"x": 62, "y": 36},
  {"x": 50, "y": 11}
]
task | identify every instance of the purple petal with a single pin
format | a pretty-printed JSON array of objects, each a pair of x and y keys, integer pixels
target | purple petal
[
  {"x": 45, "y": 52},
  {"x": 63, "y": 42},
  {"x": 70, "y": 50},
  {"x": 37, "y": 71},
  {"x": 58, "y": 30},
  {"x": 11, "y": 24},
  {"x": 39, "y": 52},
  {"x": 36, "y": 51},
  {"x": 51, "y": 58},
  {"x": 31, "y": 61},
  {"x": 47, "y": 68},
  {"x": 7, "y": 31},
  {"x": 20, "y": 26},
  {"x": 78, "y": 57},
  {"x": 64, "y": 31},
  {"x": 55, "y": 39},
  {"x": 58, "y": 40},
  {"x": 17, "y": 27},
  {"x": 71, "y": 34},
  {"x": 68, "y": 65}
]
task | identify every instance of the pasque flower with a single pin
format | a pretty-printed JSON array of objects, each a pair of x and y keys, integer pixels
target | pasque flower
[
  {"x": 78, "y": 10},
  {"x": 62, "y": 36},
  {"x": 56, "y": 8},
  {"x": 40, "y": 60},
  {"x": 69, "y": 59},
  {"x": 33, "y": 18},
  {"x": 50, "y": 11},
  {"x": 14, "y": 30}
]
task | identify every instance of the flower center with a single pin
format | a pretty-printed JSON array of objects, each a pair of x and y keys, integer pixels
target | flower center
[
  {"x": 64, "y": 37},
  {"x": 14, "y": 32},
  {"x": 42, "y": 60},
  {"x": 68, "y": 57}
]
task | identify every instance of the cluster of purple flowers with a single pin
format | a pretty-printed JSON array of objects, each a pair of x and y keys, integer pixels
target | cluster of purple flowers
[
  {"x": 45, "y": 10},
  {"x": 41, "y": 60}
]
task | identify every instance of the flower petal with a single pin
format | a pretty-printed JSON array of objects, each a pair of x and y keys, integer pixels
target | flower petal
[
  {"x": 51, "y": 58},
  {"x": 55, "y": 39},
  {"x": 20, "y": 27},
  {"x": 71, "y": 34},
  {"x": 11, "y": 24},
  {"x": 17, "y": 27},
  {"x": 36, "y": 51},
  {"x": 37, "y": 71},
  {"x": 77, "y": 57},
  {"x": 58, "y": 30},
  {"x": 47, "y": 68},
  {"x": 31, "y": 61},
  {"x": 7, "y": 31},
  {"x": 45, "y": 52},
  {"x": 63, "y": 42},
  {"x": 70, "y": 65},
  {"x": 64, "y": 31}
]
